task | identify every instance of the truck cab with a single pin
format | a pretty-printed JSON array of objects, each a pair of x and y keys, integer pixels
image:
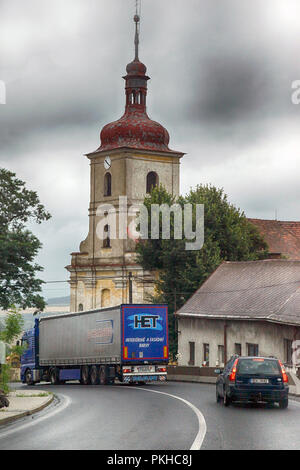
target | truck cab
[{"x": 29, "y": 358}]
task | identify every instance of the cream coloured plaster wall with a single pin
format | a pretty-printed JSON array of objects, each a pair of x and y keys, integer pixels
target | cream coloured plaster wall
[{"x": 269, "y": 336}]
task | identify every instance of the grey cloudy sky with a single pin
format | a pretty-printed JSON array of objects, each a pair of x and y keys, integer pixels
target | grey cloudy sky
[{"x": 221, "y": 74}]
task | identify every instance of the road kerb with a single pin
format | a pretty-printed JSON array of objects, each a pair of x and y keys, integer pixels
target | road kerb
[{"x": 22, "y": 414}]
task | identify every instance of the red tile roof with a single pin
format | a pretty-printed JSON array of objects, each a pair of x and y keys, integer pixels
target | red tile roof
[{"x": 282, "y": 237}]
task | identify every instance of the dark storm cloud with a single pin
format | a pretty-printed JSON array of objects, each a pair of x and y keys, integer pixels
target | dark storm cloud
[
  {"x": 221, "y": 73},
  {"x": 58, "y": 80},
  {"x": 232, "y": 90},
  {"x": 234, "y": 65}
]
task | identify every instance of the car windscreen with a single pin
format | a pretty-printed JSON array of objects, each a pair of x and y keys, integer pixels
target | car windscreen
[{"x": 258, "y": 366}]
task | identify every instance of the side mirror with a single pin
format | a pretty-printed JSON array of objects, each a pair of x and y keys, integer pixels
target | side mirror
[{"x": 218, "y": 371}]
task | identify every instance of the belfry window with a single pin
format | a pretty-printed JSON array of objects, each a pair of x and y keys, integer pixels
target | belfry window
[
  {"x": 107, "y": 184},
  {"x": 106, "y": 238},
  {"x": 152, "y": 181}
]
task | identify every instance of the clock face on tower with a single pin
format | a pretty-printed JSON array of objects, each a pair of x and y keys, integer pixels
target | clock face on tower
[{"x": 107, "y": 163}]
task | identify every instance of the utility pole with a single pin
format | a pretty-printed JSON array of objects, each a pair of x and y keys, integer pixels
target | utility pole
[
  {"x": 174, "y": 319},
  {"x": 130, "y": 287}
]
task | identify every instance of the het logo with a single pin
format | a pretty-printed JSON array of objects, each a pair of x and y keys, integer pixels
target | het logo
[{"x": 141, "y": 322}]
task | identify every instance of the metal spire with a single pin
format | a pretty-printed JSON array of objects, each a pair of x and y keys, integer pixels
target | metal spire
[{"x": 137, "y": 20}]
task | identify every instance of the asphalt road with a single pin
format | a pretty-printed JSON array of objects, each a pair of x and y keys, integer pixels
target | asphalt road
[{"x": 123, "y": 417}]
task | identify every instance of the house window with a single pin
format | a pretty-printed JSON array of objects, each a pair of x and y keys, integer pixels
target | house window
[
  {"x": 106, "y": 238},
  {"x": 107, "y": 184},
  {"x": 192, "y": 353},
  {"x": 252, "y": 349},
  {"x": 221, "y": 354},
  {"x": 152, "y": 181},
  {"x": 206, "y": 354},
  {"x": 238, "y": 349},
  {"x": 80, "y": 308},
  {"x": 288, "y": 351}
]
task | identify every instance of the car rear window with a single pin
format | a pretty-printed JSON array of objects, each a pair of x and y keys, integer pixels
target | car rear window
[{"x": 258, "y": 366}]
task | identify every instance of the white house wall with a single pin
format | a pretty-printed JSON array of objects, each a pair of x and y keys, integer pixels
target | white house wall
[{"x": 269, "y": 336}]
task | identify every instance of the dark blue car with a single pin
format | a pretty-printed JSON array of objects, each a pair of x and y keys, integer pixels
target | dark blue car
[{"x": 252, "y": 379}]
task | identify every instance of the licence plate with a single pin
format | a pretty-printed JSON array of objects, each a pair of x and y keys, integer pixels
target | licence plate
[
  {"x": 144, "y": 369},
  {"x": 259, "y": 381}
]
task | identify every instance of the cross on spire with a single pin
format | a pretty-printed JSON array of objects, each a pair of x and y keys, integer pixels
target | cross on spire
[{"x": 137, "y": 20}]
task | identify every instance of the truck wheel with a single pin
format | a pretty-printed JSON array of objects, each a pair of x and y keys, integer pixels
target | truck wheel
[
  {"x": 85, "y": 375},
  {"x": 28, "y": 377},
  {"x": 103, "y": 376},
  {"x": 94, "y": 375},
  {"x": 54, "y": 377}
]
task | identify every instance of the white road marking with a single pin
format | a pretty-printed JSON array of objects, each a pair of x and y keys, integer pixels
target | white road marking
[
  {"x": 201, "y": 421},
  {"x": 66, "y": 402}
]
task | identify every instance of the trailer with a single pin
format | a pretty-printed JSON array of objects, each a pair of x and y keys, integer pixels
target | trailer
[{"x": 127, "y": 342}]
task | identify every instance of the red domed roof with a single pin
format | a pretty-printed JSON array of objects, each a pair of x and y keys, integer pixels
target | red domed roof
[{"x": 135, "y": 130}]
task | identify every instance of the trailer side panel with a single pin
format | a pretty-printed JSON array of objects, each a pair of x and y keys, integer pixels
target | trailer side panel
[{"x": 81, "y": 338}]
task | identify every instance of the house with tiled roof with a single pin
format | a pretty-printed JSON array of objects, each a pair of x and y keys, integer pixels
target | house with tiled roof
[
  {"x": 246, "y": 308},
  {"x": 283, "y": 238}
]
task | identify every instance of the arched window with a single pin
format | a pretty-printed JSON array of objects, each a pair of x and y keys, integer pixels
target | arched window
[
  {"x": 106, "y": 238},
  {"x": 105, "y": 298},
  {"x": 80, "y": 308},
  {"x": 107, "y": 184},
  {"x": 152, "y": 181}
]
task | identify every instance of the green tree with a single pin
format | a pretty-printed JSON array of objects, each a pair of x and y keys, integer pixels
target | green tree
[
  {"x": 10, "y": 331},
  {"x": 18, "y": 246},
  {"x": 228, "y": 236}
]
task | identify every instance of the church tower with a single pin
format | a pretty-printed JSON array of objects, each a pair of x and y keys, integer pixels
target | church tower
[{"x": 134, "y": 156}]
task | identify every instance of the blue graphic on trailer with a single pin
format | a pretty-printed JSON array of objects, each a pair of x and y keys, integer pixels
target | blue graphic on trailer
[{"x": 145, "y": 332}]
